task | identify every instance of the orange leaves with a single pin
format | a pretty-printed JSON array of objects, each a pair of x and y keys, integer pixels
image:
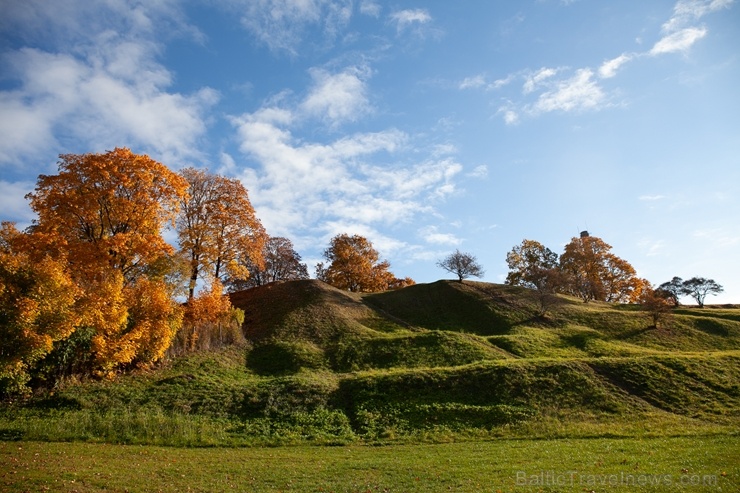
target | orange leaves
[
  {"x": 104, "y": 215},
  {"x": 209, "y": 309},
  {"x": 37, "y": 304},
  {"x": 217, "y": 226},
  {"x": 354, "y": 266},
  {"x": 109, "y": 207},
  {"x": 592, "y": 272}
]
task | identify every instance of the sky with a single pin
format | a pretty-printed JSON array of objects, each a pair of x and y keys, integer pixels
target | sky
[{"x": 425, "y": 126}]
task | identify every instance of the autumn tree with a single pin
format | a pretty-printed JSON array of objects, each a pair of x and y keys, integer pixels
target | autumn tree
[
  {"x": 354, "y": 265},
  {"x": 280, "y": 263},
  {"x": 671, "y": 290},
  {"x": 461, "y": 264},
  {"x": 37, "y": 308},
  {"x": 218, "y": 230},
  {"x": 210, "y": 320},
  {"x": 106, "y": 213},
  {"x": 532, "y": 265},
  {"x": 592, "y": 272},
  {"x": 655, "y": 304},
  {"x": 699, "y": 287}
]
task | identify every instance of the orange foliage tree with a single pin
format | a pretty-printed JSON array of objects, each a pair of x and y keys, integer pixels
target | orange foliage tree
[
  {"x": 592, "y": 272},
  {"x": 107, "y": 212},
  {"x": 37, "y": 308},
  {"x": 210, "y": 320},
  {"x": 217, "y": 228},
  {"x": 354, "y": 266}
]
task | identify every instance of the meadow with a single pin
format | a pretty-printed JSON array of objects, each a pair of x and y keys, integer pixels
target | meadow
[{"x": 694, "y": 464}]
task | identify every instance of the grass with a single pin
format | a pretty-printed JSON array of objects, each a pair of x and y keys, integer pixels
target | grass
[
  {"x": 428, "y": 363},
  {"x": 694, "y": 464}
]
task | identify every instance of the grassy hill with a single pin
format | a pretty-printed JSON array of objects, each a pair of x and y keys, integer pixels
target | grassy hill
[{"x": 435, "y": 361}]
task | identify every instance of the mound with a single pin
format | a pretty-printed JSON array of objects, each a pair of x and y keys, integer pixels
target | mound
[
  {"x": 478, "y": 308},
  {"x": 306, "y": 310}
]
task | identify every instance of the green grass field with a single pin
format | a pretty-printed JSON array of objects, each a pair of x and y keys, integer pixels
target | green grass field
[
  {"x": 694, "y": 464},
  {"x": 436, "y": 387}
]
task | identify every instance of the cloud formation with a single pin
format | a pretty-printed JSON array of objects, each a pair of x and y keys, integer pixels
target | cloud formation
[
  {"x": 357, "y": 184},
  {"x": 582, "y": 90},
  {"x": 108, "y": 82},
  {"x": 406, "y": 18},
  {"x": 281, "y": 25},
  {"x": 339, "y": 97}
]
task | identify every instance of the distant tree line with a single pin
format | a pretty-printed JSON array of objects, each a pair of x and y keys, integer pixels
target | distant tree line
[
  {"x": 587, "y": 269},
  {"x": 696, "y": 287}
]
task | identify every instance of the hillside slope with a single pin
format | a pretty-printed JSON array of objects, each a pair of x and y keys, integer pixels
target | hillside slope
[{"x": 444, "y": 359}]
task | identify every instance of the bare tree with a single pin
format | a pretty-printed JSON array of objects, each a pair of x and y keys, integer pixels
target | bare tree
[{"x": 463, "y": 265}]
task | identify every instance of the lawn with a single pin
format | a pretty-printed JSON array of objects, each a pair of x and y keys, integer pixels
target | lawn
[{"x": 696, "y": 464}]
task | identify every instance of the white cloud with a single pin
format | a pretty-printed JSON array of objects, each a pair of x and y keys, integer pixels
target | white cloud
[
  {"x": 282, "y": 24},
  {"x": 510, "y": 114},
  {"x": 609, "y": 68},
  {"x": 406, "y": 18},
  {"x": 687, "y": 11},
  {"x": 651, "y": 198},
  {"x": 719, "y": 237},
  {"x": 580, "y": 92},
  {"x": 109, "y": 83},
  {"x": 296, "y": 183},
  {"x": 473, "y": 82},
  {"x": 534, "y": 81},
  {"x": 430, "y": 234},
  {"x": 499, "y": 83},
  {"x": 371, "y": 8},
  {"x": 337, "y": 98},
  {"x": 678, "y": 41},
  {"x": 480, "y": 171},
  {"x": 651, "y": 247},
  {"x": 13, "y": 204}
]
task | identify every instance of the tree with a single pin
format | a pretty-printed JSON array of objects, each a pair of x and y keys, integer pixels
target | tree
[
  {"x": 108, "y": 209},
  {"x": 532, "y": 265},
  {"x": 280, "y": 263},
  {"x": 592, "y": 272},
  {"x": 218, "y": 229},
  {"x": 671, "y": 290},
  {"x": 207, "y": 316},
  {"x": 104, "y": 213},
  {"x": 699, "y": 287},
  {"x": 463, "y": 265},
  {"x": 354, "y": 266},
  {"x": 37, "y": 308},
  {"x": 656, "y": 304}
]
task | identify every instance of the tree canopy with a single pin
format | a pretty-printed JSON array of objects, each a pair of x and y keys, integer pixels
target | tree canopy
[
  {"x": 592, "y": 272},
  {"x": 531, "y": 265},
  {"x": 354, "y": 265},
  {"x": 699, "y": 287},
  {"x": 280, "y": 263},
  {"x": 218, "y": 229},
  {"x": 463, "y": 265}
]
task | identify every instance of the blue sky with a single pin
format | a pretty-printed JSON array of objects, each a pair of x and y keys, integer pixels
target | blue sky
[{"x": 425, "y": 126}]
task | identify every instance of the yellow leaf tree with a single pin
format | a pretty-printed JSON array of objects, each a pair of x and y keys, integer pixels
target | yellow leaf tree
[
  {"x": 37, "y": 307},
  {"x": 107, "y": 213}
]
